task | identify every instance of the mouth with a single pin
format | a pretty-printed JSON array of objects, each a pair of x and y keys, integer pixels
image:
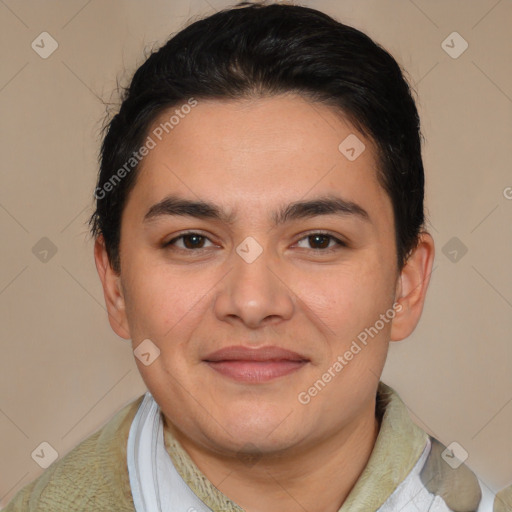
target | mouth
[{"x": 255, "y": 364}]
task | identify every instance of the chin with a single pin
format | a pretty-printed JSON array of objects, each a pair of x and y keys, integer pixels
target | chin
[{"x": 267, "y": 432}]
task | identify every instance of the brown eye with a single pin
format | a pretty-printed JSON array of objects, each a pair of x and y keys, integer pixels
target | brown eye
[
  {"x": 190, "y": 241},
  {"x": 321, "y": 241}
]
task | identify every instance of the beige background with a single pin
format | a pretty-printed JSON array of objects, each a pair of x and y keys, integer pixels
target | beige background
[{"x": 64, "y": 373}]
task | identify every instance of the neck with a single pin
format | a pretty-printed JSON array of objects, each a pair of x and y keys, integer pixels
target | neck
[{"x": 316, "y": 479}]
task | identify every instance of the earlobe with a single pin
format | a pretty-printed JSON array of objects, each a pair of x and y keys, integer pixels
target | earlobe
[
  {"x": 112, "y": 290},
  {"x": 412, "y": 287}
]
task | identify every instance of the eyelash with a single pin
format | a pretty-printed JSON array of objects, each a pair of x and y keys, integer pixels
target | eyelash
[{"x": 339, "y": 243}]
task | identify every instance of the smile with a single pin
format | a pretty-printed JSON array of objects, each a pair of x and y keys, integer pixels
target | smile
[
  {"x": 256, "y": 371},
  {"x": 255, "y": 365}
]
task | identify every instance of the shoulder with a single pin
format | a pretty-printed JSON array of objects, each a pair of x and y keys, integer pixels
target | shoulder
[
  {"x": 445, "y": 475},
  {"x": 93, "y": 475}
]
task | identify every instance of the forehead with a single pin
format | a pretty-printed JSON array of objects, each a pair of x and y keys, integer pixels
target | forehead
[{"x": 251, "y": 153}]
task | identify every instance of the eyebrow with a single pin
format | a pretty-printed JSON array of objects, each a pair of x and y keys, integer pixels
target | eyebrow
[{"x": 173, "y": 205}]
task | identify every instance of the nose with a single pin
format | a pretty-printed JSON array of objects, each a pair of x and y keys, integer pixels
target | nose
[{"x": 255, "y": 293}]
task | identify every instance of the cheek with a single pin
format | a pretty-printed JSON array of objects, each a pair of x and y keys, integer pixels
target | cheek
[
  {"x": 162, "y": 300},
  {"x": 347, "y": 297}
]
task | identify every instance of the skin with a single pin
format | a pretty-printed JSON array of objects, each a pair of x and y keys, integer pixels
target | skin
[{"x": 251, "y": 157}]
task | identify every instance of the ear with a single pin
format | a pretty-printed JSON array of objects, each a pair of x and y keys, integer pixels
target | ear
[
  {"x": 112, "y": 290},
  {"x": 412, "y": 287}
]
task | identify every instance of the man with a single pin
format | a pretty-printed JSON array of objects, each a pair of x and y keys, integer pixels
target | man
[{"x": 260, "y": 238}]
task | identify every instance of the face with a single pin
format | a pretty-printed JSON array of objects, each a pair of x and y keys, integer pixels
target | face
[{"x": 292, "y": 250}]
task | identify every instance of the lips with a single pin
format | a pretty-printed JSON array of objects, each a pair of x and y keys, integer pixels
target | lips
[
  {"x": 241, "y": 353},
  {"x": 255, "y": 364}
]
